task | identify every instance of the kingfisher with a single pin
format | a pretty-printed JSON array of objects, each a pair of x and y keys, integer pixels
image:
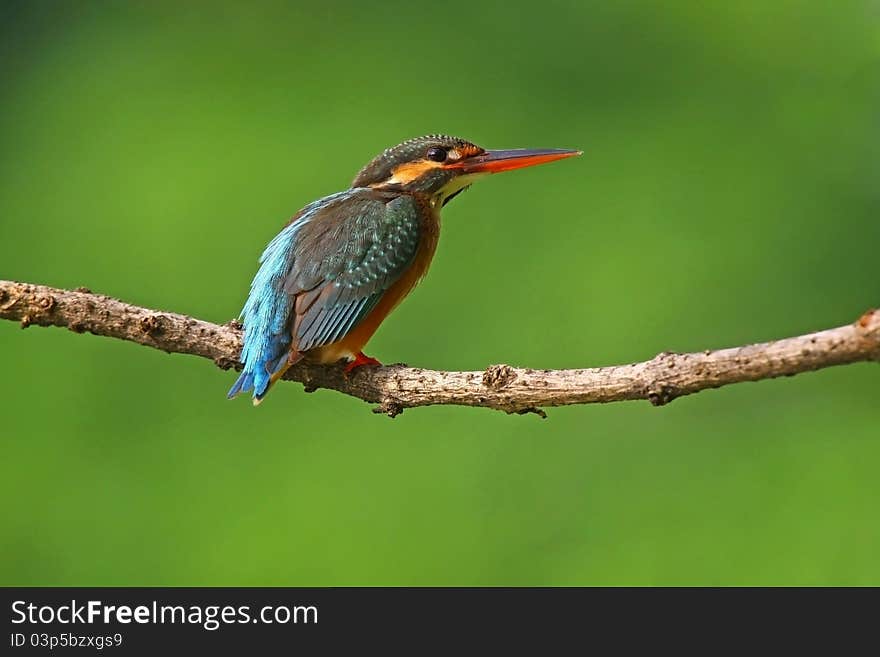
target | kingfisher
[{"x": 338, "y": 268}]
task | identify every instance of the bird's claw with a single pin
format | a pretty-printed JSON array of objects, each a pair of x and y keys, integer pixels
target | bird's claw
[{"x": 359, "y": 361}]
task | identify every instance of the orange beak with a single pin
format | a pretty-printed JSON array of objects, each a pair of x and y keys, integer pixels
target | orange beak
[{"x": 497, "y": 161}]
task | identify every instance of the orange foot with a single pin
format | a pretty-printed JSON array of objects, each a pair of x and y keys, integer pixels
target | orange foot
[{"x": 359, "y": 361}]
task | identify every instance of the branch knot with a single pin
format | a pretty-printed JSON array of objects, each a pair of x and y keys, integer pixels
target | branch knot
[
  {"x": 151, "y": 324},
  {"x": 497, "y": 377},
  {"x": 661, "y": 395}
]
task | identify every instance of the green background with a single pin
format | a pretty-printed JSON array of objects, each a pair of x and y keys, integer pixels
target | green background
[{"x": 727, "y": 194}]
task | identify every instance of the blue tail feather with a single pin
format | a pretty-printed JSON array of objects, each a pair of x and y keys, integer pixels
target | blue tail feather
[
  {"x": 244, "y": 383},
  {"x": 257, "y": 373},
  {"x": 266, "y": 313},
  {"x": 265, "y": 316}
]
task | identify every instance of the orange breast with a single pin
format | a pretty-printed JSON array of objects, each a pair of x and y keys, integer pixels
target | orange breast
[{"x": 355, "y": 340}]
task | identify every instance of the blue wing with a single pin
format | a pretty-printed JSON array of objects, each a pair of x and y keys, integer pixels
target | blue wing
[
  {"x": 321, "y": 275},
  {"x": 343, "y": 266}
]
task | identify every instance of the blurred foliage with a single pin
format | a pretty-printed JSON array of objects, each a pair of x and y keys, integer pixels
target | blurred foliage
[{"x": 728, "y": 194}]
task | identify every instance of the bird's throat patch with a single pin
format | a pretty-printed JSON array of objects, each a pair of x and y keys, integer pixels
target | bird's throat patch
[{"x": 454, "y": 186}]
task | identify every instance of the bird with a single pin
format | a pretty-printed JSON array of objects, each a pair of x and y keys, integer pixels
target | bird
[{"x": 338, "y": 268}]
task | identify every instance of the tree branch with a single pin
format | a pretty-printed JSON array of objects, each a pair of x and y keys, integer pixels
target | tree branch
[{"x": 505, "y": 388}]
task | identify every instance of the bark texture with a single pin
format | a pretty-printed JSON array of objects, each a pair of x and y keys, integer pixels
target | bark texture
[{"x": 502, "y": 387}]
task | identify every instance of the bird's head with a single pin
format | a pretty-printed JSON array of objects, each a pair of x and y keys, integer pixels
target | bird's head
[{"x": 441, "y": 166}]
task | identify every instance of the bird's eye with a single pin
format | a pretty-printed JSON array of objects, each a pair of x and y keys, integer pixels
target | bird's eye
[{"x": 436, "y": 154}]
